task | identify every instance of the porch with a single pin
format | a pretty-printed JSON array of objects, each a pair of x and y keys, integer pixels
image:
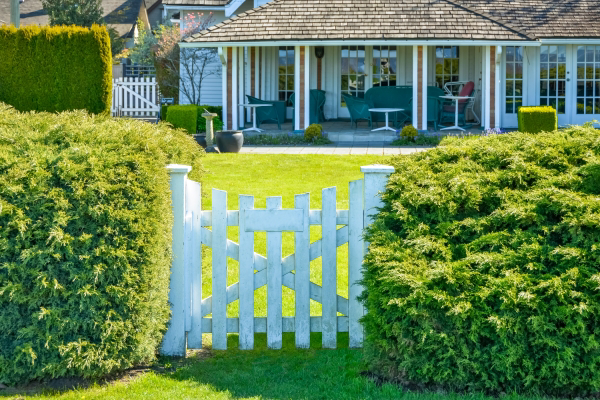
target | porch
[{"x": 283, "y": 80}]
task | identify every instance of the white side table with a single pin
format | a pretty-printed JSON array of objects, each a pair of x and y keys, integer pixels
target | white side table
[
  {"x": 387, "y": 111},
  {"x": 254, "y": 107},
  {"x": 455, "y": 99}
]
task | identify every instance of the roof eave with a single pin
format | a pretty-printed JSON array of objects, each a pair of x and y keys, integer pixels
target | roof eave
[{"x": 367, "y": 42}]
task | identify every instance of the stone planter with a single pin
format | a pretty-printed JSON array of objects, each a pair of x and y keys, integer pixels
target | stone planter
[
  {"x": 230, "y": 141},
  {"x": 200, "y": 139}
]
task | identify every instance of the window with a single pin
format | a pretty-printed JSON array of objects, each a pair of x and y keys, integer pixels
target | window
[
  {"x": 514, "y": 79},
  {"x": 553, "y": 67},
  {"x": 588, "y": 79},
  {"x": 286, "y": 72},
  {"x": 384, "y": 65},
  {"x": 446, "y": 66},
  {"x": 353, "y": 71}
]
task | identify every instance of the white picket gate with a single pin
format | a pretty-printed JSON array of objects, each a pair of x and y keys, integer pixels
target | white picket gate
[
  {"x": 189, "y": 310},
  {"x": 135, "y": 97}
]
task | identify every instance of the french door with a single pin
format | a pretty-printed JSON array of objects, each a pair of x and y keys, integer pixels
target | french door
[
  {"x": 586, "y": 63},
  {"x": 513, "y": 92},
  {"x": 353, "y": 75},
  {"x": 555, "y": 83}
]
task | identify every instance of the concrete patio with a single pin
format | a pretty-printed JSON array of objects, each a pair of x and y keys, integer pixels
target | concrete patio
[{"x": 343, "y": 132}]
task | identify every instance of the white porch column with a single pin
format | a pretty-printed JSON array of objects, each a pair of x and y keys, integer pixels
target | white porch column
[
  {"x": 301, "y": 88},
  {"x": 419, "y": 103},
  {"x": 492, "y": 87},
  {"x": 241, "y": 74},
  {"x": 486, "y": 88},
  {"x": 497, "y": 86}
]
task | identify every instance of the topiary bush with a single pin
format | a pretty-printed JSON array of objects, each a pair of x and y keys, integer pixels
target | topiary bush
[
  {"x": 56, "y": 68},
  {"x": 184, "y": 117},
  {"x": 537, "y": 119},
  {"x": 200, "y": 121},
  {"x": 409, "y": 132},
  {"x": 483, "y": 271},
  {"x": 85, "y": 241},
  {"x": 313, "y": 132}
]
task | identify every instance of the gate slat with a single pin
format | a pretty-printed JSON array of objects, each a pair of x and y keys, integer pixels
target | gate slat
[
  {"x": 355, "y": 255},
  {"x": 246, "y": 267},
  {"x": 302, "y": 277},
  {"x": 187, "y": 268},
  {"x": 329, "y": 261},
  {"x": 192, "y": 203},
  {"x": 219, "y": 269},
  {"x": 274, "y": 288}
]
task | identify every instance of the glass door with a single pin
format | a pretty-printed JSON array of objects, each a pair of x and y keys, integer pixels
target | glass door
[
  {"x": 555, "y": 81},
  {"x": 587, "y": 65},
  {"x": 513, "y": 93},
  {"x": 353, "y": 75}
]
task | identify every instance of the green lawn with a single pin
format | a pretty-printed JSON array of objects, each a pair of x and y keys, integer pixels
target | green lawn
[{"x": 263, "y": 373}]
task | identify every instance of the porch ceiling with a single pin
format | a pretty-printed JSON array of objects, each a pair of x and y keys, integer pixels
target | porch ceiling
[{"x": 305, "y": 20}]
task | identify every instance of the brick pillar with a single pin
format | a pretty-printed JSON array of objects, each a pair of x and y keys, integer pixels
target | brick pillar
[
  {"x": 229, "y": 92},
  {"x": 301, "y": 85}
]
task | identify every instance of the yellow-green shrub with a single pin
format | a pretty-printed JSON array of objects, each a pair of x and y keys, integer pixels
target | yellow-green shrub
[
  {"x": 483, "y": 271},
  {"x": 313, "y": 131},
  {"x": 85, "y": 241},
  {"x": 409, "y": 132},
  {"x": 56, "y": 68},
  {"x": 537, "y": 119},
  {"x": 184, "y": 117}
]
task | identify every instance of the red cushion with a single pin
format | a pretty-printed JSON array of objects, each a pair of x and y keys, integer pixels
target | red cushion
[{"x": 467, "y": 89}]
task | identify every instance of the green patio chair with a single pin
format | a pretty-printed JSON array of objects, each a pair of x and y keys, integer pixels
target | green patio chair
[
  {"x": 358, "y": 109},
  {"x": 434, "y": 108},
  {"x": 271, "y": 114},
  {"x": 317, "y": 102}
]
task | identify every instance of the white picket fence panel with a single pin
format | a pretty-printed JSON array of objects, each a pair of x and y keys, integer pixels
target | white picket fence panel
[
  {"x": 135, "y": 97},
  {"x": 190, "y": 311}
]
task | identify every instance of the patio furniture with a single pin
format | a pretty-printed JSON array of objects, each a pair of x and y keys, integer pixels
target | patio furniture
[
  {"x": 457, "y": 100},
  {"x": 253, "y": 107},
  {"x": 434, "y": 108},
  {"x": 317, "y": 101},
  {"x": 358, "y": 109},
  {"x": 456, "y": 112},
  {"x": 386, "y": 111},
  {"x": 275, "y": 114},
  {"x": 391, "y": 97}
]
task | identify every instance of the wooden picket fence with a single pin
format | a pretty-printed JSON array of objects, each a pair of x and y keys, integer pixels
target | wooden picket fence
[
  {"x": 190, "y": 310},
  {"x": 135, "y": 97}
]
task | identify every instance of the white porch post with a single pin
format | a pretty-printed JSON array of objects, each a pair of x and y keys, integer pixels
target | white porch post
[
  {"x": 241, "y": 75},
  {"x": 498, "y": 86},
  {"x": 487, "y": 86},
  {"x": 424, "y": 89},
  {"x": 297, "y": 91},
  {"x": 415, "y": 91},
  {"x": 306, "y": 58}
]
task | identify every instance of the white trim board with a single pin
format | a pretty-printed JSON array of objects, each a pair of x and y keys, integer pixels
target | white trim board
[{"x": 375, "y": 42}]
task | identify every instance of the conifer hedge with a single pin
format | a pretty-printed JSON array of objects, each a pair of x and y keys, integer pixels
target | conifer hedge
[
  {"x": 483, "y": 272},
  {"x": 85, "y": 241},
  {"x": 56, "y": 68}
]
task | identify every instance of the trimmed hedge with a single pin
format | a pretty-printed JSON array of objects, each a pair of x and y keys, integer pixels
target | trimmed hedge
[
  {"x": 85, "y": 241},
  {"x": 537, "y": 119},
  {"x": 56, "y": 68},
  {"x": 483, "y": 271},
  {"x": 200, "y": 121},
  {"x": 184, "y": 117}
]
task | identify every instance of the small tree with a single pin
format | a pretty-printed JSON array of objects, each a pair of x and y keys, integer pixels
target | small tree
[
  {"x": 74, "y": 12},
  {"x": 183, "y": 69}
]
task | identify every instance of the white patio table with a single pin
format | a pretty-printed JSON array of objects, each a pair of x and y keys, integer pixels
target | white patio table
[
  {"x": 386, "y": 111},
  {"x": 455, "y": 99},
  {"x": 254, "y": 107}
]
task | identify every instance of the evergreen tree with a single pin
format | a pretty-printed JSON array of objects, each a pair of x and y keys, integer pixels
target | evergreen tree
[{"x": 74, "y": 12}]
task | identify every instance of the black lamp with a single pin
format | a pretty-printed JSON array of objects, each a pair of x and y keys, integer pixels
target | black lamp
[{"x": 319, "y": 51}]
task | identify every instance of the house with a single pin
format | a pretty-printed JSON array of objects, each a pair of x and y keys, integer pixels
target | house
[
  {"x": 119, "y": 14},
  {"x": 525, "y": 52}
]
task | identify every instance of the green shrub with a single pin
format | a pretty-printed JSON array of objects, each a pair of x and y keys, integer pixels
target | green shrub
[
  {"x": 537, "y": 119},
  {"x": 483, "y": 271},
  {"x": 313, "y": 132},
  {"x": 56, "y": 68},
  {"x": 409, "y": 132},
  {"x": 185, "y": 117},
  {"x": 201, "y": 122},
  {"x": 85, "y": 241},
  {"x": 163, "y": 112}
]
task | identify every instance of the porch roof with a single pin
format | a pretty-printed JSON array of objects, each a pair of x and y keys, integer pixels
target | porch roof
[
  {"x": 360, "y": 20},
  {"x": 334, "y": 20}
]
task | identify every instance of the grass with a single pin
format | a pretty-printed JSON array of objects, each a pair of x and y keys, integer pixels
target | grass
[
  {"x": 261, "y": 373},
  {"x": 283, "y": 139}
]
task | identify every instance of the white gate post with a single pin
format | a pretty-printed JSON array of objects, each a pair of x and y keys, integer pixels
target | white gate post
[
  {"x": 376, "y": 178},
  {"x": 174, "y": 340}
]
